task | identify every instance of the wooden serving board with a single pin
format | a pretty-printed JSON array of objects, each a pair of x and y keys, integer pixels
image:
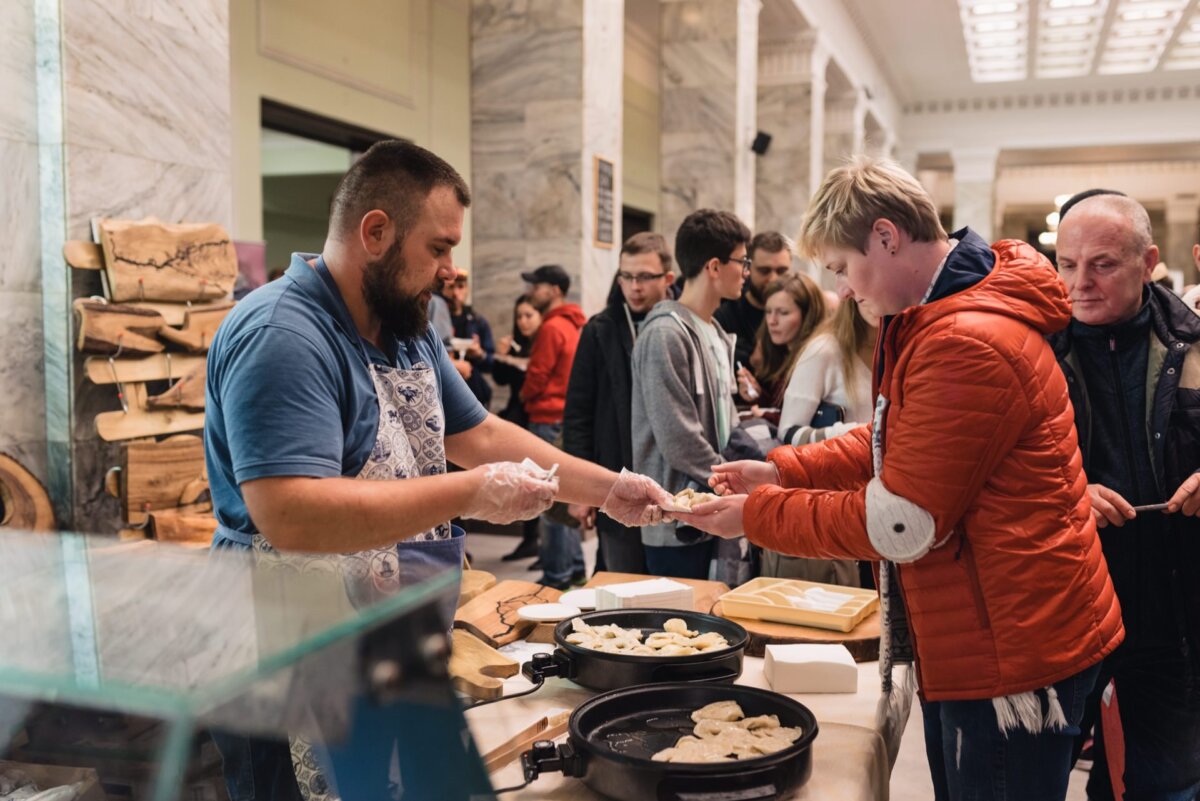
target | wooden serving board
[
  {"x": 155, "y": 475},
  {"x": 24, "y": 502},
  {"x": 862, "y": 642},
  {"x": 150, "y": 260},
  {"x": 477, "y": 669},
  {"x": 474, "y": 582},
  {"x": 492, "y": 615},
  {"x": 705, "y": 593}
]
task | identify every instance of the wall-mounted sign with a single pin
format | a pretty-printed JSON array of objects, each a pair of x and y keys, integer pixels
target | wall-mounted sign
[{"x": 605, "y": 234}]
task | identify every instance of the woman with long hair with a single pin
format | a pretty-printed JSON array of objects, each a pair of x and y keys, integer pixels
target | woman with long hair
[
  {"x": 829, "y": 393},
  {"x": 508, "y": 369},
  {"x": 794, "y": 310}
]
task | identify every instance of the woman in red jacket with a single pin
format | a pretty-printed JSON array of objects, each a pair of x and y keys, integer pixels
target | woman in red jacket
[{"x": 967, "y": 489}]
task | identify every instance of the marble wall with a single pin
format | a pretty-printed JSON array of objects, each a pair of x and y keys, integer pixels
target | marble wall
[
  {"x": 708, "y": 95},
  {"x": 975, "y": 190},
  {"x": 546, "y": 98},
  {"x": 844, "y": 128},
  {"x": 144, "y": 130},
  {"x": 23, "y": 410},
  {"x": 782, "y": 182}
]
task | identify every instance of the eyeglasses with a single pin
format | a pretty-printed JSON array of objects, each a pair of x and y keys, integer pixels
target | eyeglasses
[
  {"x": 640, "y": 278},
  {"x": 745, "y": 261}
]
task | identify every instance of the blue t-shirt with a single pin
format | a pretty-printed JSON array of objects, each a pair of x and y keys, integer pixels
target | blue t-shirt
[{"x": 289, "y": 392}]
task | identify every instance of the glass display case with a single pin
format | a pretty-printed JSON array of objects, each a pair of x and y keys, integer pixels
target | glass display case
[{"x": 120, "y": 663}]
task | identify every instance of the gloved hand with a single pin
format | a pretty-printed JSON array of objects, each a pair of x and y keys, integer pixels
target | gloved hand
[
  {"x": 510, "y": 491},
  {"x": 635, "y": 500}
]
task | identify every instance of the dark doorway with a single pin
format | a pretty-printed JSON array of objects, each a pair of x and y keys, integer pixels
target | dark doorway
[{"x": 635, "y": 221}]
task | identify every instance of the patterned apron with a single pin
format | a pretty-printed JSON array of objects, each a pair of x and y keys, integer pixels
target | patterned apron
[{"x": 409, "y": 443}]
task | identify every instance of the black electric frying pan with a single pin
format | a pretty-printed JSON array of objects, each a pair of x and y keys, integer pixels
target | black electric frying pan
[{"x": 613, "y": 736}]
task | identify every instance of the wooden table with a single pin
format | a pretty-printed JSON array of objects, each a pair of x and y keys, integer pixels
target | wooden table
[{"x": 849, "y": 758}]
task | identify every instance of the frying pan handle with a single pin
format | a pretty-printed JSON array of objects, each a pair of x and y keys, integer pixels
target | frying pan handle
[
  {"x": 546, "y": 757},
  {"x": 544, "y": 666}
]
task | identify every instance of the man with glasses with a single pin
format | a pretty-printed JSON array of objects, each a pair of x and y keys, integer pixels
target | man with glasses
[
  {"x": 683, "y": 383},
  {"x": 596, "y": 421},
  {"x": 771, "y": 256}
]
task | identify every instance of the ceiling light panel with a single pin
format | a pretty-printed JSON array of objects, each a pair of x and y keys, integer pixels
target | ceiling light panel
[
  {"x": 996, "y": 33},
  {"x": 1183, "y": 55},
  {"x": 1139, "y": 34},
  {"x": 1068, "y": 28}
]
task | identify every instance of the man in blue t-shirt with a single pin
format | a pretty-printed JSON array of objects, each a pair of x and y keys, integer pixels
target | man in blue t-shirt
[
  {"x": 294, "y": 374},
  {"x": 332, "y": 374}
]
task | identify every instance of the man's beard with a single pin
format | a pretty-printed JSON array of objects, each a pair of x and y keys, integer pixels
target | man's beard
[{"x": 404, "y": 316}]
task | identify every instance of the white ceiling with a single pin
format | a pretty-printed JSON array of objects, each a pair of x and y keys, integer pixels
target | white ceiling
[{"x": 921, "y": 46}]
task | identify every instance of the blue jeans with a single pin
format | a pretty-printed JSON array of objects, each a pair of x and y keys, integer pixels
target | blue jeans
[
  {"x": 681, "y": 561},
  {"x": 561, "y": 549},
  {"x": 970, "y": 759}
]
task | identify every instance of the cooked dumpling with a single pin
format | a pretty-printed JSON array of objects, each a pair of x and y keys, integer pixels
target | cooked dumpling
[{"x": 720, "y": 710}]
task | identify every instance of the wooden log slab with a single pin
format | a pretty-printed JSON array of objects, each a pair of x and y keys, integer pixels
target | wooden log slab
[
  {"x": 169, "y": 525},
  {"x": 113, "y": 328},
  {"x": 492, "y": 615},
  {"x": 159, "y": 261},
  {"x": 474, "y": 582},
  {"x": 154, "y": 475},
  {"x": 199, "y": 325},
  {"x": 141, "y": 421},
  {"x": 477, "y": 669},
  {"x": 83, "y": 255},
  {"x": 862, "y": 641},
  {"x": 161, "y": 367},
  {"x": 24, "y": 502},
  {"x": 186, "y": 393}
]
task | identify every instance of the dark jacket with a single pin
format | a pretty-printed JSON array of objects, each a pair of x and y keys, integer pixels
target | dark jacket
[
  {"x": 742, "y": 320},
  {"x": 1155, "y": 558},
  {"x": 467, "y": 325},
  {"x": 596, "y": 420}
]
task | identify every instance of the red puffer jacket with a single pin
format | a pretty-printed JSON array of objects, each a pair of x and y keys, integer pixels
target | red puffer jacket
[
  {"x": 978, "y": 431},
  {"x": 549, "y": 371}
]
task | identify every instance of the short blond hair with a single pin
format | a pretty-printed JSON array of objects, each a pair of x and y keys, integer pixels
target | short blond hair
[{"x": 852, "y": 197}]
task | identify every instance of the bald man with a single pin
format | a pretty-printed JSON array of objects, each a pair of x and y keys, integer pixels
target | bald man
[{"x": 1132, "y": 359}]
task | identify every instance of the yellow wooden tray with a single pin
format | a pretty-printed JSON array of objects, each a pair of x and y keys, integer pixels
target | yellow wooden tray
[{"x": 770, "y": 599}]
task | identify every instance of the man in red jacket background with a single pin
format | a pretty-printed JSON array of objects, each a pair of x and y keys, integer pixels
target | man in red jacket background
[{"x": 545, "y": 395}]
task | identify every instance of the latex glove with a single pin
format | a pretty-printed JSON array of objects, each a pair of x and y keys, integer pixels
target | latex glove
[
  {"x": 722, "y": 517},
  {"x": 743, "y": 477},
  {"x": 635, "y": 500},
  {"x": 510, "y": 491}
]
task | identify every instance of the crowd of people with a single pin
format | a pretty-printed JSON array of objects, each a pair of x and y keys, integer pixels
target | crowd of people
[{"x": 1007, "y": 449}]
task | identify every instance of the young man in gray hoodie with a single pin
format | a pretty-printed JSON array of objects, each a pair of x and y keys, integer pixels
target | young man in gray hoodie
[{"x": 683, "y": 380}]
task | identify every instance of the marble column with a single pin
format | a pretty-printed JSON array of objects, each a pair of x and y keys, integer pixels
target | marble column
[
  {"x": 1183, "y": 231},
  {"x": 709, "y": 94},
  {"x": 23, "y": 410},
  {"x": 975, "y": 190},
  {"x": 546, "y": 102},
  {"x": 134, "y": 106},
  {"x": 845, "y": 127},
  {"x": 791, "y": 108}
]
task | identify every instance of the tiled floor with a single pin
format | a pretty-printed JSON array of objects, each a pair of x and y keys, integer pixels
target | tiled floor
[{"x": 910, "y": 777}]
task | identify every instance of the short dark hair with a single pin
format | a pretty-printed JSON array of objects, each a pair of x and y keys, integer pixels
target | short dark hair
[
  {"x": 1084, "y": 195},
  {"x": 648, "y": 242},
  {"x": 770, "y": 241},
  {"x": 707, "y": 234},
  {"x": 395, "y": 177}
]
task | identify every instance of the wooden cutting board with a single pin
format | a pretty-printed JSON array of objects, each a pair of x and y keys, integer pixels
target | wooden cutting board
[
  {"x": 704, "y": 593},
  {"x": 862, "y": 642},
  {"x": 492, "y": 615},
  {"x": 155, "y": 475},
  {"x": 473, "y": 583},
  {"x": 477, "y": 669},
  {"x": 150, "y": 260},
  {"x": 24, "y": 502}
]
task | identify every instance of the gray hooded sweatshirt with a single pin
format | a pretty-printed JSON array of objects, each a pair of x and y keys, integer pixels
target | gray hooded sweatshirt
[{"x": 675, "y": 397}]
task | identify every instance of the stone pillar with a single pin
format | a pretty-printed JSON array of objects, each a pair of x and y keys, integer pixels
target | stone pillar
[
  {"x": 975, "y": 190},
  {"x": 23, "y": 411},
  {"x": 788, "y": 100},
  {"x": 546, "y": 101},
  {"x": 708, "y": 66},
  {"x": 1183, "y": 231},
  {"x": 845, "y": 127},
  {"x": 133, "y": 103}
]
